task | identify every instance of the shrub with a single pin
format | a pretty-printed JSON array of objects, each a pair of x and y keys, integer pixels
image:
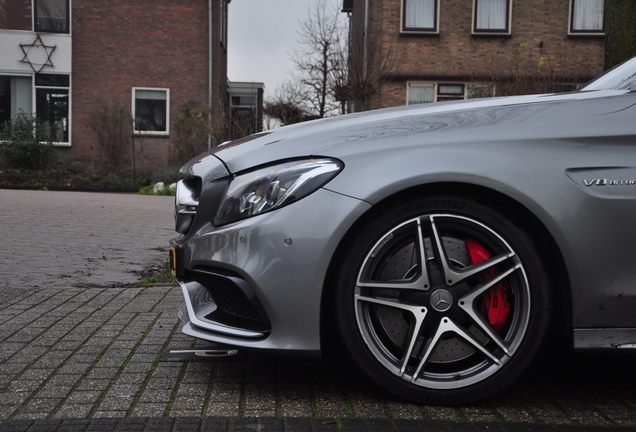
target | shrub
[
  {"x": 150, "y": 190},
  {"x": 68, "y": 180},
  {"x": 112, "y": 123},
  {"x": 191, "y": 130},
  {"x": 24, "y": 144},
  {"x": 168, "y": 175},
  {"x": 522, "y": 70}
]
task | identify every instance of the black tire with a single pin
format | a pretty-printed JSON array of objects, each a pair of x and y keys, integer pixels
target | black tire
[{"x": 427, "y": 336}]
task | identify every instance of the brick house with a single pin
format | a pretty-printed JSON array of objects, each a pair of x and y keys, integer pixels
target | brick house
[
  {"x": 246, "y": 108},
  {"x": 455, "y": 49},
  {"x": 64, "y": 59}
]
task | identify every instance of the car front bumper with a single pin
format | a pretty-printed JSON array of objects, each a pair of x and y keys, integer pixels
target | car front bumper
[{"x": 258, "y": 283}]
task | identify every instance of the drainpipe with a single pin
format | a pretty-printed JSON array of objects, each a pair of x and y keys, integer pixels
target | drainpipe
[
  {"x": 366, "y": 32},
  {"x": 366, "y": 48},
  {"x": 210, "y": 64}
]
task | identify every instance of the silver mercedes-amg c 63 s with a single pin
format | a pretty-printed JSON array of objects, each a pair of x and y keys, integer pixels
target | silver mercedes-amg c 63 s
[{"x": 438, "y": 244}]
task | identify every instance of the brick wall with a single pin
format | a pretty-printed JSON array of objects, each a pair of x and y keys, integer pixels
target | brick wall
[
  {"x": 454, "y": 54},
  {"x": 121, "y": 44}
]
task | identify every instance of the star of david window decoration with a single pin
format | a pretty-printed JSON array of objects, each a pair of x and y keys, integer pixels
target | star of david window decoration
[{"x": 37, "y": 55}]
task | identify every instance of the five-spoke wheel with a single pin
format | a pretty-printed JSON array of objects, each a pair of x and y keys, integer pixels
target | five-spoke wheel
[{"x": 442, "y": 300}]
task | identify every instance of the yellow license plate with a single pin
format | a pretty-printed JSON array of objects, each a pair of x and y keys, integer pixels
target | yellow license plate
[{"x": 173, "y": 260}]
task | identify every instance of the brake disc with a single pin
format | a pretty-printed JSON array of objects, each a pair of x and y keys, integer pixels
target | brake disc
[{"x": 402, "y": 265}]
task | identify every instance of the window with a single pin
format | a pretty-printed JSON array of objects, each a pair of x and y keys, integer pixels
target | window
[
  {"x": 52, "y": 100},
  {"x": 15, "y": 96},
  {"x": 150, "y": 110},
  {"x": 418, "y": 93},
  {"x": 420, "y": 16},
  {"x": 51, "y": 16},
  {"x": 52, "y": 104},
  {"x": 450, "y": 92},
  {"x": 243, "y": 114},
  {"x": 491, "y": 16},
  {"x": 586, "y": 17},
  {"x": 249, "y": 101}
]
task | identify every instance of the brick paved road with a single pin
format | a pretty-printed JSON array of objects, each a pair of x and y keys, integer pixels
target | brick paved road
[
  {"x": 78, "y": 355},
  {"x": 81, "y": 239}
]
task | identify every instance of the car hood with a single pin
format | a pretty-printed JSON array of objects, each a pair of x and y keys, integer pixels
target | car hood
[{"x": 475, "y": 120}]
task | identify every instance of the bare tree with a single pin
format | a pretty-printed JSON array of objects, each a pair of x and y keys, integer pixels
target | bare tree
[
  {"x": 286, "y": 106},
  {"x": 191, "y": 130},
  {"x": 112, "y": 122},
  {"x": 319, "y": 58},
  {"x": 365, "y": 69}
]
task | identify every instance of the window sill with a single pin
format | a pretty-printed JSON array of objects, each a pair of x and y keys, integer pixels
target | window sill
[
  {"x": 52, "y": 32},
  {"x": 491, "y": 35},
  {"x": 585, "y": 35},
  {"x": 143, "y": 134},
  {"x": 409, "y": 33}
]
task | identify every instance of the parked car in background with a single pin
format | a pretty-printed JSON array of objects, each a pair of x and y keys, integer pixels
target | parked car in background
[{"x": 439, "y": 244}]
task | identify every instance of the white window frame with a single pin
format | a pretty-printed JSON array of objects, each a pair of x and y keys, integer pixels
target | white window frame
[
  {"x": 34, "y": 113},
  {"x": 573, "y": 32},
  {"x": 70, "y": 105},
  {"x": 492, "y": 32},
  {"x": 134, "y": 100},
  {"x": 436, "y": 93},
  {"x": 69, "y": 14},
  {"x": 416, "y": 30}
]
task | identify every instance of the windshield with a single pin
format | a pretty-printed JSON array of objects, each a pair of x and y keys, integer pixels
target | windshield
[{"x": 621, "y": 77}]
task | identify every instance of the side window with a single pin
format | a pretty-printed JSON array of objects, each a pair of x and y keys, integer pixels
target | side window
[
  {"x": 52, "y": 16},
  {"x": 586, "y": 17},
  {"x": 491, "y": 16},
  {"x": 420, "y": 16},
  {"x": 151, "y": 110},
  {"x": 52, "y": 104}
]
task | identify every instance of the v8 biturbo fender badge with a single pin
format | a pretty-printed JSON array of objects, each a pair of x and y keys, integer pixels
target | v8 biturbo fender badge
[{"x": 606, "y": 182}]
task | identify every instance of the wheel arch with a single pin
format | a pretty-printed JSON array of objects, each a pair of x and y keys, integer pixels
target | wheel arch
[{"x": 560, "y": 331}]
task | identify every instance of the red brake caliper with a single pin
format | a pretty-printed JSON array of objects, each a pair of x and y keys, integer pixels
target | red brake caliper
[{"x": 496, "y": 299}]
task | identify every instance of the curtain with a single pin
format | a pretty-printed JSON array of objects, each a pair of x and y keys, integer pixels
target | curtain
[
  {"x": 491, "y": 14},
  {"x": 421, "y": 94},
  {"x": 20, "y": 95},
  {"x": 588, "y": 15},
  {"x": 419, "y": 14}
]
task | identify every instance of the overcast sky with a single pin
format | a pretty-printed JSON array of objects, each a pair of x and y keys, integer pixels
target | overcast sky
[{"x": 261, "y": 34}]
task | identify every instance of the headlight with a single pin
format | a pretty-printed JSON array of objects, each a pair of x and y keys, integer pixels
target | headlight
[{"x": 269, "y": 188}]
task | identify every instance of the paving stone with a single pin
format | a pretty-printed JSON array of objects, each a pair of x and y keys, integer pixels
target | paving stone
[
  {"x": 148, "y": 216},
  {"x": 89, "y": 359},
  {"x": 73, "y": 411},
  {"x": 149, "y": 410},
  {"x": 223, "y": 409}
]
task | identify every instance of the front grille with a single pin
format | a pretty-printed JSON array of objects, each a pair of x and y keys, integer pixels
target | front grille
[{"x": 234, "y": 308}]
